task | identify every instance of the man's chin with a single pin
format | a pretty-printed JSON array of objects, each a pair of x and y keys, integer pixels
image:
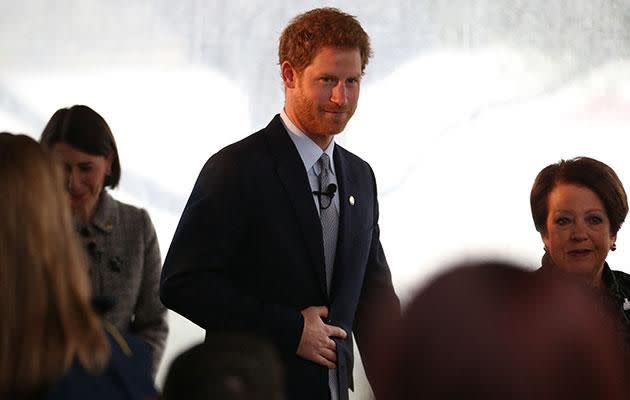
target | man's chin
[{"x": 335, "y": 128}]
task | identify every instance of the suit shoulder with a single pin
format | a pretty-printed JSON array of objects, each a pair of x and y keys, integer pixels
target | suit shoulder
[
  {"x": 232, "y": 164},
  {"x": 237, "y": 153},
  {"x": 354, "y": 160}
]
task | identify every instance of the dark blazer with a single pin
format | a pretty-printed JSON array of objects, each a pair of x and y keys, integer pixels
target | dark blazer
[{"x": 248, "y": 255}]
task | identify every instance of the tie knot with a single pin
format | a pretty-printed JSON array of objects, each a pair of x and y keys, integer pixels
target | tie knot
[{"x": 324, "y": 163}]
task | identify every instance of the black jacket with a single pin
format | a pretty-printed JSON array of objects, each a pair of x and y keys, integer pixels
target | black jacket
[
  {"x": 617, "y": 284},
  {"x": 248, "y": 254}
]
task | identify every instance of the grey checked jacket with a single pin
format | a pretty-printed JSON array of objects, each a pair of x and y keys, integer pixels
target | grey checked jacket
[{"x": 122, "y": 246}]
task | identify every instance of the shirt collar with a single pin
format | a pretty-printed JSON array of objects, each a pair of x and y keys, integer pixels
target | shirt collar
[{"x": 308, "y": 150}]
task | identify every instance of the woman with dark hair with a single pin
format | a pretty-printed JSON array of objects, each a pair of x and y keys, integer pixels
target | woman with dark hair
[
  {"x": 578, "y": 206},
  {"x": 53, "y": 345},
  {"x": 120, "y": 239}
]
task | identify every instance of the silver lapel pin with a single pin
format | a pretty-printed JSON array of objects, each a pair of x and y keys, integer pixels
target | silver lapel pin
[{"x": 351, "y": 200}]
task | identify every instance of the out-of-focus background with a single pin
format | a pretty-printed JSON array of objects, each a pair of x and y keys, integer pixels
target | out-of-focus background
[{"x": 462, "y": 104}]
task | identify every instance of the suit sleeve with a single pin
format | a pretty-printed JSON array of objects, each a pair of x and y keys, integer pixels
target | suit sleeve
[
  {"x": 196, "y": 278},
  {"x": 379, "y": 308}
]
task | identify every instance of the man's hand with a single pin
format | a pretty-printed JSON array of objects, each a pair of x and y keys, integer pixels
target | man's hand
[{"x": 316, "y": 344}]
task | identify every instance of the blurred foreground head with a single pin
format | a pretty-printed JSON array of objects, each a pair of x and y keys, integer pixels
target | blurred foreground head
[
  {"x": 496, "y": 331},
  {"x": 226, "y": 367},
  {"x": 45, "y": 316}
]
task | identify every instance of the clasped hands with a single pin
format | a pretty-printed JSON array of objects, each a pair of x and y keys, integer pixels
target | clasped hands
[{"x": 316, "y": 344}]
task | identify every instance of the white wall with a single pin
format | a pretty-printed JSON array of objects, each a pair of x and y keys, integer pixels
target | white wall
[{"x": 463, "y": 104}]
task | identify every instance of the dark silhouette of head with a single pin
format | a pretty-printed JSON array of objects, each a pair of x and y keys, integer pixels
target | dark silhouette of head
[
  {"x": 496, "y": 331},
  {"x": 226, "y": 367}
]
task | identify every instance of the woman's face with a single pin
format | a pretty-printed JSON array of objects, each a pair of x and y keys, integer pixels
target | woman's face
[
  {"x": 85, "y": 177},
  {"x": 578, "y": 235}
]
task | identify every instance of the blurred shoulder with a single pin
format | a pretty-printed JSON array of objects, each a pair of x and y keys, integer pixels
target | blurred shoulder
[
  {"x": 129, "y": 355},
  {"x": 127, "y": 374}
]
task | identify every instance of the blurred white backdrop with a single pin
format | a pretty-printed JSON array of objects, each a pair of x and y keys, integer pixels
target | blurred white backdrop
[{"x": 463, "y": 103}]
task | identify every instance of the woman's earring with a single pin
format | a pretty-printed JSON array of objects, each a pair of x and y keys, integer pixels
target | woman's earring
[{"x": 613, "y": 247}]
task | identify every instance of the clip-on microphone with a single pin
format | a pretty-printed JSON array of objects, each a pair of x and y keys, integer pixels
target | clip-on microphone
[{"x": 330, "y": 191}]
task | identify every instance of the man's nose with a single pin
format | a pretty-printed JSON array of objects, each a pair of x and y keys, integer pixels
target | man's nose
[{"x": 339, "y": 94}]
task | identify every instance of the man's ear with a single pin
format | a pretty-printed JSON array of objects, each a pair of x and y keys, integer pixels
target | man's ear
[{"x": 288, "y": 75}]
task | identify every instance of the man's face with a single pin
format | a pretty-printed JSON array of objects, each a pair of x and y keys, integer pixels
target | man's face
[{"x": 322, "y": 98}]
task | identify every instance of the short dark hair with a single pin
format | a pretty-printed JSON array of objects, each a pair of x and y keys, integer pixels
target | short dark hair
[
  {"x": 227, "y": 367},
  {"x": 307, "y": 33},
  {"x": 582, "y": 171},
  {"x": 84, "y": 129}
]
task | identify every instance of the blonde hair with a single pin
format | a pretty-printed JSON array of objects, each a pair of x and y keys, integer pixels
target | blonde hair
[{"x": 46, "y": 320}]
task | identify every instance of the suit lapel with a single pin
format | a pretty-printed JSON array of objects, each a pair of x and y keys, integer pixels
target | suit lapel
[
  {"x": 346, "y": 184},
  {"x": 294, "y": 179}
]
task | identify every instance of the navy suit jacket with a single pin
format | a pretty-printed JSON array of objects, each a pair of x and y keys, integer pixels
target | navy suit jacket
[{"x": 247, "y": 255}]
